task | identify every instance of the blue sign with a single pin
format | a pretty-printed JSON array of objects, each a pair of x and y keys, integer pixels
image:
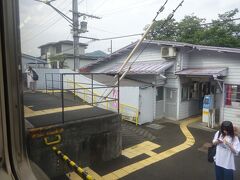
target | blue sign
[{"x": 208, "y": 102}]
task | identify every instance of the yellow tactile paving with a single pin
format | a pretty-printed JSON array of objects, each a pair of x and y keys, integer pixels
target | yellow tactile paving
[
  {"x": 142, "y": 148},
  {"x": 30, "y": 113},
  {"x": 157, "y": 157},
  {"x": 75, "y": 176},
  {"x": 93, "y": 173}
]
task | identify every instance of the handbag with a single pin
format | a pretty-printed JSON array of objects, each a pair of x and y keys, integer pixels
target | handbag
[{"x": 212, "y": 151}]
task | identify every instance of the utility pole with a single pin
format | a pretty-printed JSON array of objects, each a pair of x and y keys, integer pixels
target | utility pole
[
  {"x": 75, "y": 35},
  {"x": 74, "y": 23}
]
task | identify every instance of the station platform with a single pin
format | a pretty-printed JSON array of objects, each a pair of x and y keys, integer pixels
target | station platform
[
  {"x": 43, "y": 109},
  {"x": 86, "y": 134}
]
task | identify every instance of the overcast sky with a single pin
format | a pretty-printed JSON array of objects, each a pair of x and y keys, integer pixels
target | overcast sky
[{"x": 40, "y": 24}]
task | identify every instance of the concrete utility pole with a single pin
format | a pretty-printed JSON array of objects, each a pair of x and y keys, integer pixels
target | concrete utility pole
[
  {"x": 75, "y": 35},
  {"x": 74, "y": 22}
]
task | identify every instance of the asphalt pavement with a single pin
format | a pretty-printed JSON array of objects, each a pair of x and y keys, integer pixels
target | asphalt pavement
[
  {"x": 162, "y": 136},
  {"x": 189, "y": 164}
]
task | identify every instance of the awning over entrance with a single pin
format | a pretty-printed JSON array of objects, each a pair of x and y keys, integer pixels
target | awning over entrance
[{"x": 215, "y": 72}]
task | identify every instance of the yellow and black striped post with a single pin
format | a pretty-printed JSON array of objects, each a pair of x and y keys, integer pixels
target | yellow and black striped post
[{"x": 73, "y": 165}]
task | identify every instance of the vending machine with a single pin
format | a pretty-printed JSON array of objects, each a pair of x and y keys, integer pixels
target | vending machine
[{"x": 208, "y": 113}]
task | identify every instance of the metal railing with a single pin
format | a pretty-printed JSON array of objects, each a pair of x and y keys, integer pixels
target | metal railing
[
  {"x": 81, "y": 86},
  {"x": 128, "y": 112}
]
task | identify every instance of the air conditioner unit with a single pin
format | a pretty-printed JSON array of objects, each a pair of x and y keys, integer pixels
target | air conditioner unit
[{"x": 168, "y": 52}]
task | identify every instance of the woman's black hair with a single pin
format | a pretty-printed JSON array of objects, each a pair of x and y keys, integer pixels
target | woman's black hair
[{"x": 228, "y": 126}]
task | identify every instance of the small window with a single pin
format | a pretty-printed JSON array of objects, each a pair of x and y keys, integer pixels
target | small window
[
  {"x": 159, "y": 96},
  {"x": 171, "y": 94},
  {"x": 184, "y": 93},
  {"x": 190, "y": 91},
  {"x": 58, "y": 48}
]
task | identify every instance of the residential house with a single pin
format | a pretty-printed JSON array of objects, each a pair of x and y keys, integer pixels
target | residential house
[
  {"x": 28, "y": 60},
  {"x": 60, "y": 54},
  {"x": 178, "y": 76}
]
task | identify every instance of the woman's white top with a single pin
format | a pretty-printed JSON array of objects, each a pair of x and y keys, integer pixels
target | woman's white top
[
  {"x": 224, "y": 156},
  {"x": 29, "y": 76}
]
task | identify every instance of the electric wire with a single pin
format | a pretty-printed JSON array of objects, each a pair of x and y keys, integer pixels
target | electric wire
[
  {"x": 124, "y": 9},
  {"x": 43, "y": 30},
  {"x": 137, "y": 45},
  {"x": 48, "y": 18}
]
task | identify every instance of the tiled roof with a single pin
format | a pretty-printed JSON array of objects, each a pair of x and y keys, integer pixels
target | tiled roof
[
  {"x": 204, "y": 72},
  {"x": 129, "y": 47},
  {"x": 146, "y": 67}
]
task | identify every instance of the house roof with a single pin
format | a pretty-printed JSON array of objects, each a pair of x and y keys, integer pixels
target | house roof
[
  {"x": 194, "y": 46},
  {"x": 97, "y": 53},
  {"x": 34, "y": 59},
  {"x": 109, "y": 80},
  {"x": 204, "y": 72},
  {"x": 61, "y": 42},
  {"x": 142, "y": 67},
  {"x": 129, "y": 47},
  {"x": 81, "y": 56}
]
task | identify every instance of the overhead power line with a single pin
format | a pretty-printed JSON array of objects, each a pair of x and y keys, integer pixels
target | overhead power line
[
  {"x": 118, "y": 37},
  {"x": 137, "y": 46},
  {"x": 224, "y": 21},
  {"x": 39, "y": 33},
  {"x": 50, "y": 23}
]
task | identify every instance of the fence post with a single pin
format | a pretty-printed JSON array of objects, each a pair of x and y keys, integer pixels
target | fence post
[
  {"x": 92, "y": 88},
  {"x": 74, "y": 86},
  {"x": 46, "y": 81},
  {"x": 118, "y": 94},
  {"x": 52, "y": 84},
  {"x": 62, "y": 98}
]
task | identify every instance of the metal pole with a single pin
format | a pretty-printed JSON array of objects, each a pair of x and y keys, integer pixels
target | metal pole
[
  {"x": 62, "y": 98},
  {"x": 74, "y": 86},
  {"x": 75, "y": 34},
  {"x": 92, "y": 88},
  {"x": 118, "y": 94},
  {"x": 46, "y": 82},
  {"x": 52, "y": 84}
]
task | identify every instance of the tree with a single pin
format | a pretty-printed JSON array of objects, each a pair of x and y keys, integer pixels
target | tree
[
  {"x": 58, "y": 58},
  {"x": 163, "y": 31},
  {"x": 190, "y": 30},
  {"x": 221, "y": 32}
]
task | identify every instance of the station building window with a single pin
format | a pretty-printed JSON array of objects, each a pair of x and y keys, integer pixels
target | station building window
[
  {"x": 232, "y": 95},
  {"x": 171, "y": 94},
  {"x": 159, "y": 96},
  {"x": 190, "y": 91}
]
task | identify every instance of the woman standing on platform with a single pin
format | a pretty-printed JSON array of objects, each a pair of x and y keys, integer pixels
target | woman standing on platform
[{"x": 228, "y": 146}]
